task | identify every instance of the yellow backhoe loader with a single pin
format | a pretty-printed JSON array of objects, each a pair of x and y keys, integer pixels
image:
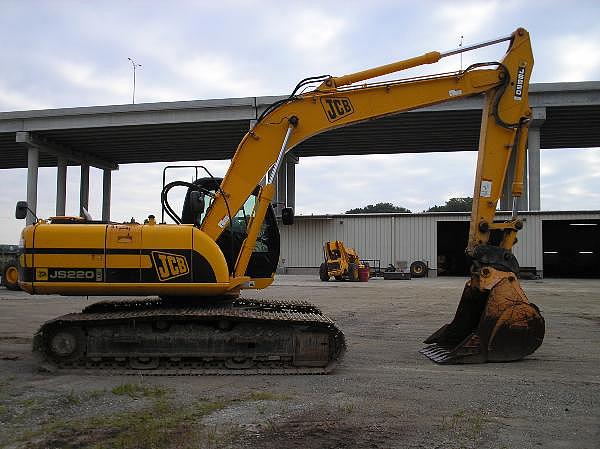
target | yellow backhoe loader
[
  {"x": 226, "y": 240},
  {"x": 341, "y": 262}
]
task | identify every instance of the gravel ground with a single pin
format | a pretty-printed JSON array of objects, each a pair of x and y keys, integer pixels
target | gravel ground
[{"x": 383, "y": 395}]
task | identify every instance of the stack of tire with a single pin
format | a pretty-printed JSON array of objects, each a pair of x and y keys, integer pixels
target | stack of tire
[{"x": 10, "y": 276}]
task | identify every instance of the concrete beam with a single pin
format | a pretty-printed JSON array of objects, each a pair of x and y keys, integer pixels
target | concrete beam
[
  {"x": 47, "y": 146},
  {"x": 131, "y": 115},
  {"x": 540, "y": 95},
  {"x": 84, "y": 189},
  {"x": 106, "y": 186},
  {"x": 61, "y": 187},
  {"x": 32, "y": 182}
]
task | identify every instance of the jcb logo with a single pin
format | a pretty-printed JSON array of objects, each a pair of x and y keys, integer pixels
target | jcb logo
[
  {"x": 336, "y": 108},
  {"x": 169, "y": 266}
]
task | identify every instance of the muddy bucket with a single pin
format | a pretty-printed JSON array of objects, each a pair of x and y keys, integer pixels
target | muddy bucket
[{"x": 494, "y": 322}]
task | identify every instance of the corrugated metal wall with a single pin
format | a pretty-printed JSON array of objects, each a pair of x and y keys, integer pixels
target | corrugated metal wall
[{"x": 399, "y": 237}]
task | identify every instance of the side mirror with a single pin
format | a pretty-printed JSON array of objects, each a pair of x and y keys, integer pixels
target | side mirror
[
  {"x": 21, "y": 210},
  {"x": 196, "y": 202},
  {"x": 287, "y": 216}
]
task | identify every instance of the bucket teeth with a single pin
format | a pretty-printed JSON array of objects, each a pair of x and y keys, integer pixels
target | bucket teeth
[{"x": 438, "y": 354}]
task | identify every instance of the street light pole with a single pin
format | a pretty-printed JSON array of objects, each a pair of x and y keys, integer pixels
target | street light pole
[{"x": 134, "y": 65}]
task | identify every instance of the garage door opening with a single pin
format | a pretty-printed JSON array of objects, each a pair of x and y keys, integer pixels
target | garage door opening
[
  {"x": 571, "y": 248},
  {"x": 452, "y": 238}
]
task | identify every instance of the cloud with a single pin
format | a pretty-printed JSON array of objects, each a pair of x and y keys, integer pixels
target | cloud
[
  {"x": 468, "y": 18},
  {"x": 577, "y": 56},
  {"x": 86, "y": 76},
  {"x": 13, "y": 100}
]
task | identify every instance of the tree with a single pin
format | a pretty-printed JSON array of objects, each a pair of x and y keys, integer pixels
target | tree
[
  {"x": 378, "y": 209},
  {"x": 454, "y": 205}
]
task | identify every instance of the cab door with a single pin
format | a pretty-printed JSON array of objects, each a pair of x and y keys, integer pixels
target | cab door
[{"x": 123, "y": 246}]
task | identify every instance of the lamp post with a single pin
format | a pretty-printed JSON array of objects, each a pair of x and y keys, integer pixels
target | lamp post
[
  {"x": 135, "y": 66},
  {"x": 460, "y": 45}
]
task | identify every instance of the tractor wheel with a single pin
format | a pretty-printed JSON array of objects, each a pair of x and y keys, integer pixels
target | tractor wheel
[
  {"x": 418, "y": 269},
  {"x": 10, "y": 278},
  {"x": 323, "y": 272}
]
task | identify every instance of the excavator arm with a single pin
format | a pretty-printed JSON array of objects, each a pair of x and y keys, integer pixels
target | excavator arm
[
  {"x": 494, "y": 320},
  {"x": 335, "y": 104}
]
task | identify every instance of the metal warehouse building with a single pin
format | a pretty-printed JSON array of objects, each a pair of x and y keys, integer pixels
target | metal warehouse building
[{"x": 555, "y": 244}]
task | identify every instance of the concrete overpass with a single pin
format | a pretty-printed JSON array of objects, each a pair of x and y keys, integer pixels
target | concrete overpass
[{"x": 566, "y": 115}]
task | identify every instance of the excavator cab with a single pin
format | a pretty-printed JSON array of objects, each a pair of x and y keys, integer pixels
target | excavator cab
[{"x": 264, "y": 258}]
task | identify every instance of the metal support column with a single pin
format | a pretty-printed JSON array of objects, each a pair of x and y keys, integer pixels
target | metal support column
[
  {"x": 61, "y": 187},
  {"x": 533, "y": 152},
  {"x": 106, "y": 185},
  {"x": 84, "y": 188},
  {"x": 33, "y": 156}
]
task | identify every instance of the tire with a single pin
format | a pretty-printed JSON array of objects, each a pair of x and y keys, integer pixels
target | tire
[
  {"x": 418, "y": 269},
  {"x": 323, "y": 272},
  {"x": 10, "y": 277},
  {"x": 352, "y": 272}
]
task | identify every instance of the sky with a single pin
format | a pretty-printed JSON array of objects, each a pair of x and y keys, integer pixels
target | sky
[{"x": 74, "y": 53}]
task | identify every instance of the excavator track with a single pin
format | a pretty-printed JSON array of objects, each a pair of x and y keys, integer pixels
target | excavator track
[{"x": 173, "y": 336}]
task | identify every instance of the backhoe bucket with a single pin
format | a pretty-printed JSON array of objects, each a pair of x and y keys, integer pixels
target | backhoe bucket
[{"x": 494, "y": 322}]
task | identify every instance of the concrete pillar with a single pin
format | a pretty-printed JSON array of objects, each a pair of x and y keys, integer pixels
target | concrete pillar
[
  {"x": 533, "y": 152},
  {"x": 84, "y": 188},
  {"x": 106, "y": 185},
  {"x": 61, "y": 187},
  {"x": 33, "y": 156},
  {"x": 506, "y": 200},
  {"x": 524, "y": 200},
  {"x": 285, "y": 184},
  {"x": 290, "y": 177},
  {"x": 280, "y": 189}
]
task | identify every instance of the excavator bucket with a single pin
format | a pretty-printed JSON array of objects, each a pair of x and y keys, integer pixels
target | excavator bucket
[{"x": 494, "y": 323}]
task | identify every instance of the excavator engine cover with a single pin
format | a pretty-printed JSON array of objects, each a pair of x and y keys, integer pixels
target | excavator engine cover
[{"x": 494, "y": 323}]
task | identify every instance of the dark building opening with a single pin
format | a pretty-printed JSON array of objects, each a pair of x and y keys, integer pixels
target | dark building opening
[
  {"x": 452, "y": 238},
  {"x": 571, "y": 248}
]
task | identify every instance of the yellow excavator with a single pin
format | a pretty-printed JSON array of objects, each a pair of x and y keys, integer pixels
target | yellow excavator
[{"x": 226, "y": 240}]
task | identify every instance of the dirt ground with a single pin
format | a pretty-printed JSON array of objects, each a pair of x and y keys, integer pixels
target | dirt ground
[{"x": 384, "y": 394}]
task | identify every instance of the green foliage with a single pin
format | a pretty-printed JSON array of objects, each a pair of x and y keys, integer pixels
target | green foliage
[
  {"x": 267, "y": 396},
  {"x": 454, "y": 205},
  {"x": 378, "y": 209},
  {"x": 136, "y": 390},
  {"x": 162, "y": 424}
]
